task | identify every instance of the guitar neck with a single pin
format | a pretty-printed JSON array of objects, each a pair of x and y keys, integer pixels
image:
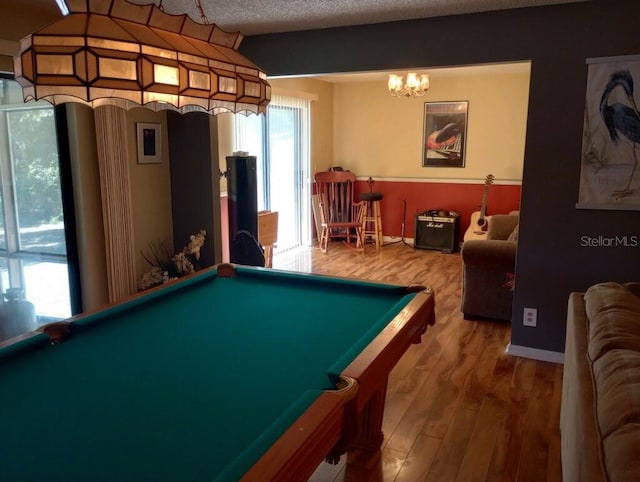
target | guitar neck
[{"x": 483, "y": 207}]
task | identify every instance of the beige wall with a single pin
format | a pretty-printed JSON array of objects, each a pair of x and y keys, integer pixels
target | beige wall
[
  {"x": 150, "y": 189},
  {"x": 381, "y": 136}
]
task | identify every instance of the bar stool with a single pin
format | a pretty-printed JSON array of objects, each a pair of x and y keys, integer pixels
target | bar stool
[{"x": 372, "y": 223}]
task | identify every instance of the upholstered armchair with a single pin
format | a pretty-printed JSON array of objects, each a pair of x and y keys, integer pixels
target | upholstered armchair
[{"x": 488, "y": 268}]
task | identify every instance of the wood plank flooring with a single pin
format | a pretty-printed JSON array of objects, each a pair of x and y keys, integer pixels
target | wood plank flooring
[{"x": 458, "y": 408}]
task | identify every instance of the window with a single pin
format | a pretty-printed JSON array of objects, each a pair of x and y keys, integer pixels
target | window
[
  {"x": 280, "y": 142},
  {"x": 33, "y": 254}
]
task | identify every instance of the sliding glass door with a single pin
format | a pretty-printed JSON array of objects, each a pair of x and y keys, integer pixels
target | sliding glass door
[
  {"x": 33, "y": 254},
  {"x": 280, "y": 141}
]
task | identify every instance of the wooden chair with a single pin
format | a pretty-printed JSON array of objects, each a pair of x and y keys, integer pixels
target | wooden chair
[
  {"x": 351, "y": 231},
  {"x": 339, "y": 216},
  {"x": 268, "y": 234},
  {"x": 335, "y": 189}
]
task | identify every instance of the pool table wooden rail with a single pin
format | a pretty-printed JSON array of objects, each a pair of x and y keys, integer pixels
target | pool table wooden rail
[
  {"x": 372, "y": 366},
  {"x": 299, "y": 451}
]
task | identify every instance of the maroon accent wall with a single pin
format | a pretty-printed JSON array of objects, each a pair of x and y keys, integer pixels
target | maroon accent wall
[
  {"x": 552, "y": 259},
  {"x": 449, "y": 196}
]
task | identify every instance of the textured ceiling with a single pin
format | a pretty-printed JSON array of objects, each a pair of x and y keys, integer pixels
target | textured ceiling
[{"x": 250, "y": 17}]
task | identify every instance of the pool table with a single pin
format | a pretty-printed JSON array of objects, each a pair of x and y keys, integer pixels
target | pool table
[{"x": 234, "y": 373}]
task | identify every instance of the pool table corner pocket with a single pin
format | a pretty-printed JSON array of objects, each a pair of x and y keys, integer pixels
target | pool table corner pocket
[{"x": 57, "y": 332}]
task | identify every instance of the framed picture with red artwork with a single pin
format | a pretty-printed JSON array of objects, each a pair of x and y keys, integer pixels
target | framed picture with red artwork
[{"x": 445, "y": 134}]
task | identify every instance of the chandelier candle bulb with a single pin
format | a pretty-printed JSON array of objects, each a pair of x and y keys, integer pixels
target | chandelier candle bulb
[{"x": 415, "y": 86}]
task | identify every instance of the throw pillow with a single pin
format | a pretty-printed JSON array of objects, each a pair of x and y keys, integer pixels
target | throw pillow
[{"x": 514, "y": 234}]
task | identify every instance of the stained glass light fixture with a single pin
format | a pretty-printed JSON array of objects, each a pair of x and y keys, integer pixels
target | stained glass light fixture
[{"x": 112, "y": 52}]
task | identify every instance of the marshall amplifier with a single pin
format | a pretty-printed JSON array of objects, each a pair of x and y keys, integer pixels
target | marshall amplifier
[{"x": 436, "y": 231}]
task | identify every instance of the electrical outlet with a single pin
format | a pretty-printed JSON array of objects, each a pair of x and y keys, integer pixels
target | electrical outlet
[{"x": 530, "y": 317}]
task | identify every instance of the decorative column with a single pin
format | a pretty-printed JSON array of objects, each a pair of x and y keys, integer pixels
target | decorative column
[{"x": 112, "y": 146}]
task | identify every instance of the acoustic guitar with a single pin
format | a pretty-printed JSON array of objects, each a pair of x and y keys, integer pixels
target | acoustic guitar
[{"x": 479, "y": 219}]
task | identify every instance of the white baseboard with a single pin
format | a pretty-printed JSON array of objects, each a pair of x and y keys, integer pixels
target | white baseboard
[{"x": 535, "y": 353}]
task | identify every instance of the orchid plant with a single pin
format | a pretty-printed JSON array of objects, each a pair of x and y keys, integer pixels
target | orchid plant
[{"x": 166, "y": 266}]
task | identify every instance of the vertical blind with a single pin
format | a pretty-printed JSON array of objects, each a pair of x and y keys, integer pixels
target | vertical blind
[{"x": 111, "y": 139}]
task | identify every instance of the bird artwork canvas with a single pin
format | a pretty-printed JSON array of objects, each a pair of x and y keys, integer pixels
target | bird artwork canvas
[{"x": 610, "y": 171}]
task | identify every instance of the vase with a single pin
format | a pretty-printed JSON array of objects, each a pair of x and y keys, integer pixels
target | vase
[{"x": 17, "y": 315}]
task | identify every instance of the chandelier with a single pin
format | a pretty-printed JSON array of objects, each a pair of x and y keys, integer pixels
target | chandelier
[
  {"x": 118, "y": 53},
  {"x": 415, "y": 86}
]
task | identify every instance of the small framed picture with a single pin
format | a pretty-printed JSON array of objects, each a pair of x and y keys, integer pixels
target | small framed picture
[
  {"x": 149, "y": 143},
  {"x": 445, "y": 133}
]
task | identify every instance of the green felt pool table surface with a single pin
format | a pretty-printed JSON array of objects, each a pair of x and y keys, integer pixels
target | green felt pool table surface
[{"x": 193, "y": 381}]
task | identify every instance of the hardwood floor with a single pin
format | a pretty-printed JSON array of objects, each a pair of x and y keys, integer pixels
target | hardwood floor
[{"x": 458, "y": 408}]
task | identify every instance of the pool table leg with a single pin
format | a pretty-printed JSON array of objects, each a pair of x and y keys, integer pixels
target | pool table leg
[
  {"x": 369, "y": 436},
  {"x": 362, "y": 426}
]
